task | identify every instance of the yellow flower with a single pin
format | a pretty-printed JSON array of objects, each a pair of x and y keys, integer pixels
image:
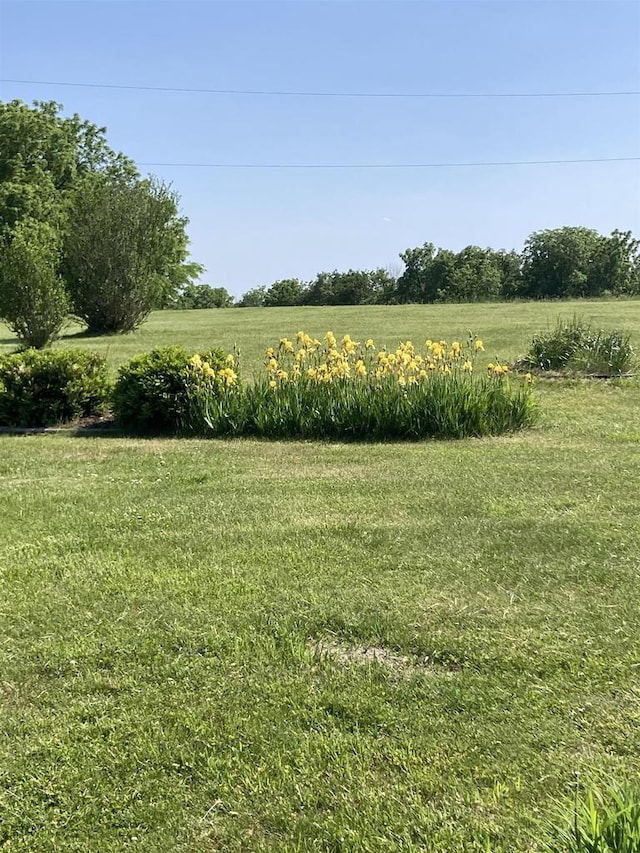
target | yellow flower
[
  {"x": 272, "y": 383},
  {"x": 195, "y": 360},
  {"x": 330, "y": 338},
  {"x": 272, "y": 364},
  {"x": 207, "y": 370},
  {"x": 228, "y": 375},
  {"x": 282, "y": 375},
  {"x": 423, "y": 374},
  {"x": 300, "y": 336},
  {"x": 270, "y": 352},
  {"x": 479, "y": 346},
  {"x": 230, "y": 360},
  {"x": 497, "y": 369},
  {"x": 361, "y": 370},
  {"x": 528, "y": 378},
  {"x": 467, "y": 366},
  {"x": 370, "y": 344}
]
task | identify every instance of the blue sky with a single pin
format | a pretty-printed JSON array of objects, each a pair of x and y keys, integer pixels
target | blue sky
[{"x": 253, "y": 226}]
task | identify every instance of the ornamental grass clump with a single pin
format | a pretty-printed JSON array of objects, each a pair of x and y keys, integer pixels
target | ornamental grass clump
[
  {"x": 601, "y": 822},
  {"x": 354, "y": 390},
  {"x": 577, "y": 348}
]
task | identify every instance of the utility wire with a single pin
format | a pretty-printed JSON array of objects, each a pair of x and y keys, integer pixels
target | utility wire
[
  {"x": 389, "y": 165},
  {"x": 303, "y": 94}
]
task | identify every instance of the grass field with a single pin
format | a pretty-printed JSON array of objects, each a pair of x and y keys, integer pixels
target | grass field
[{"x": 265, "y": 646}]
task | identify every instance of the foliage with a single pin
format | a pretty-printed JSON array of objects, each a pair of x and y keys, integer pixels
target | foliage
[
  {"x": 41, "y": 388},
  {"x": 33, "y": 299},
  {"x": 579, "y": 262},
  {"x": 350, "y": 391},
  {"x": 254, "y": 298},
  {"x": 122, "y": 242},
  {"x": 43, "y": 155},
  {"x": 191, "y": 296},
  {"x": 602, "y": 822},
  {"x": 472, "y": 275},
  {"x": 574, "y": 346},
  {"x": 288, "y": 291},
  {"x": 618, "y": 264},
  {"x": 60, "y": 170},
  {"x": 156, "y": 392},
  {"x": 354, "y": 287}
]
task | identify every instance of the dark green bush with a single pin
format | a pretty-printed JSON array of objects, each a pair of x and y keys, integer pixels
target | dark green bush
[
  {"x": 157, "y": 392},
  {"x": 39, "y": 388},
  {"x": 576, "y": 347}
]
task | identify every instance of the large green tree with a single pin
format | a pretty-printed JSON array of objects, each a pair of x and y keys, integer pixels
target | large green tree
[
  {"x": 472, "y": 275},
  {"x": 42, "y": 156},
  {"x": 287, "y": 291},
  {"x": 124, "y": 240}
]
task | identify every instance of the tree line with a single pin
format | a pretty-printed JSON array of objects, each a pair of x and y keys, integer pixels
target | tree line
[{"x": 559, "y": 263}]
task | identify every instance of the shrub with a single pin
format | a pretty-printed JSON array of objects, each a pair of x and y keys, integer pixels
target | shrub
[
  {"x": 351, "y": 391},
  {"x": 576, "y": 347},
  {"x": 601, "y": 823},
  {"x": 167, "y": 390},
  {"x": 33, "y": 298},
  {"x": 41, "y": 388}
]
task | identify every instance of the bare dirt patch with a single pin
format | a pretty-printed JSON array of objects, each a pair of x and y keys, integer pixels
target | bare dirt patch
[{"x": 331, "y": 648}]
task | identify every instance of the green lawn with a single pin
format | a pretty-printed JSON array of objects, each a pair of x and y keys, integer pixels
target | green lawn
[
  {"x": 265, "y": 646},
  {"x": 505, "y": 328}
]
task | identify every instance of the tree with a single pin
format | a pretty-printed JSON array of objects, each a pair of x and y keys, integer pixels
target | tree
[
  {"x": 60, "y": 170},
  {"x": 617, "y": 263},
  {"x": 123, "y": 242},
  {"x": 427, "y": 275},
  {"x": 558, "y": 263},
  {"x": 43, "y": 155},
  {"x": 33, "y": 298},
  {"x": 354, "y": 287},
  {"x": 288, "y": 291},
  {"x": 253, "y": 298},
  {"x": 200, "y": 296},
  {"x": 472, "y": 275}
]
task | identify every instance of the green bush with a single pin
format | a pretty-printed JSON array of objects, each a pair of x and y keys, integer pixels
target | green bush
[
  {"x": 39, "y": 388},
  {"x": 165, "y": 390},
  {"x": 606, "y": 822},
  {"x": 576, "y": 347},
  {"x": 33, "y": 298}
]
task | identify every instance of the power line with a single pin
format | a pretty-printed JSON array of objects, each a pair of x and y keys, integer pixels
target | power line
[
  {"x": 389, "y": 165},
  {"x": 304, "y": 94}
]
